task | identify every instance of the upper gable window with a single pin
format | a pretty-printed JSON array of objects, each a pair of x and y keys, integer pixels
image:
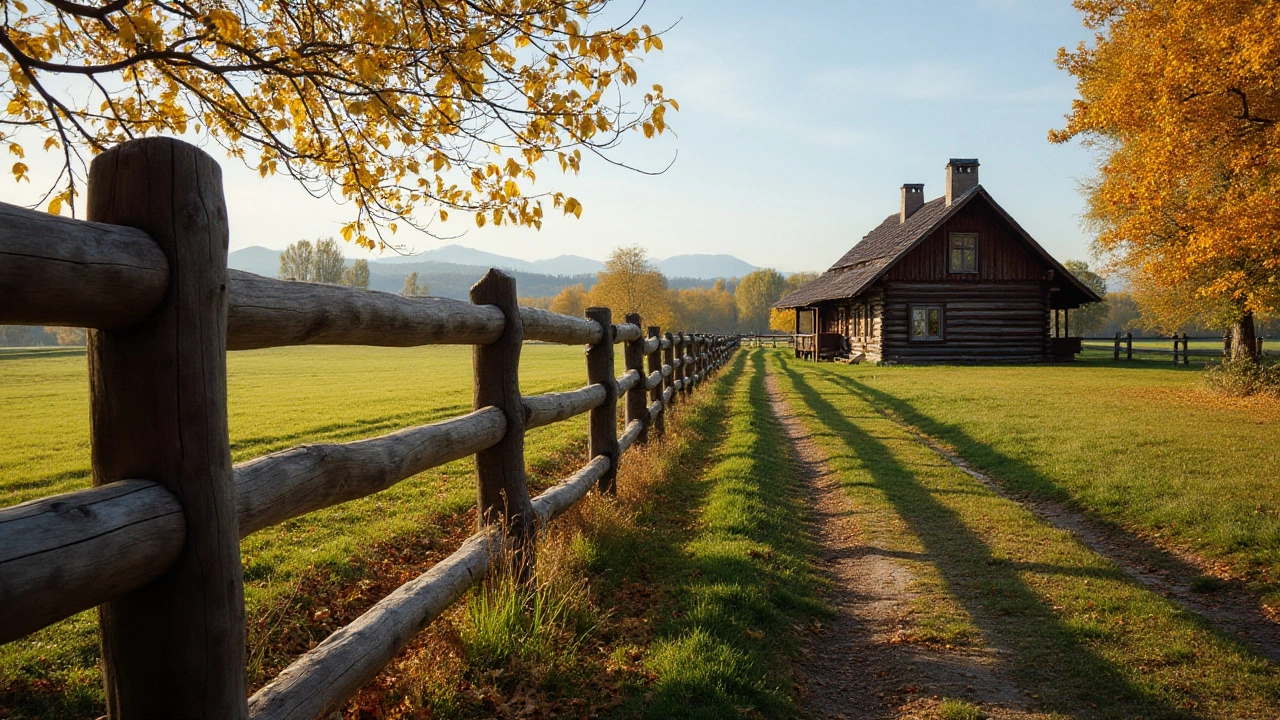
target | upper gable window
[{"x": 964, "y": 253}]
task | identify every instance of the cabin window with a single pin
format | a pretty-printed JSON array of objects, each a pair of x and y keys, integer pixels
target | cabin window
[
  {"x": 964, "y": 252},
  {"x": 926, "y": 322}
]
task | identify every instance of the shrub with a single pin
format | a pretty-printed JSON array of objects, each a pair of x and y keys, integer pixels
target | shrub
[{"x": 1245, "y": 377}]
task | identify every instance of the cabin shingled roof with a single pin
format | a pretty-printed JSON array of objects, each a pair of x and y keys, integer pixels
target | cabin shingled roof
[{"x": 882, "y": 247}]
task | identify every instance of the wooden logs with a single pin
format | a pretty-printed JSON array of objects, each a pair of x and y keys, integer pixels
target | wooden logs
[
  {"x": 158, "y": 392},
  {"x": 294, "y": 482},
  {"x": 561, "y": 496},
  {"x": 66, "y": 553},
  {"x": 331, "y": 673},
  {"x": 670, "y": 371},
  {"x": 603, "y": 436},
  {"x": 627, "y": 332},
  {"x": 275, "y": 313},
  {"x": 551, "y": 408},
  {"x": 634, "y": 429},
  {"x": 555, "y": 328},
  {"x": 626, "y": 381},
  {"x": 636, "y": 407},
  {"x": 654, "y": 384},
  {"x": 500, "y": 470},
  {"x": 59, "y": 271}
]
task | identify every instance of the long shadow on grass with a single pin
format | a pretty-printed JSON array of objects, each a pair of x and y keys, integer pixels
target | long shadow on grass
[
  {"x": 1045, "y": 651},
  {"x": 746, "y": 572}
]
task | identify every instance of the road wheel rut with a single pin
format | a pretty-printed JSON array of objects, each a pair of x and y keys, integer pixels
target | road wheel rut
[{"x": 856, "y": 665}]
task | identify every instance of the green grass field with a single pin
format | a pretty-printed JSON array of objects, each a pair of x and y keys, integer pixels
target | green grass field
[
  {"x": 680, "y": 598},
  {"x": 1125, "y": 445},
  {"x": 277, "y": 399}
]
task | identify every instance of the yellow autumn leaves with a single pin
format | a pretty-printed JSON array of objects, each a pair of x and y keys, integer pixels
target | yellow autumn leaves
[
  {"x": 1183, "y": 100},
  {"x": 405, "y": 111}
]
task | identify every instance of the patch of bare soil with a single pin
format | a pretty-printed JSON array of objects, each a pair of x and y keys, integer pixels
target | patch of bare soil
[
  {"x": 856, "y": 665},
  {"x": 1175, "y": 575}
]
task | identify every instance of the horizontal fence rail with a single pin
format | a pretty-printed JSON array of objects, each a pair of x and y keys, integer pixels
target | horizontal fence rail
[
  {"x": 1122, "y": 344},
  {"x": 131, "y": 544}
]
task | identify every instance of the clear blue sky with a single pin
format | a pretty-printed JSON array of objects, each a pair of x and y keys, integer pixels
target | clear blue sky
[{"x": 798, "y": 124}]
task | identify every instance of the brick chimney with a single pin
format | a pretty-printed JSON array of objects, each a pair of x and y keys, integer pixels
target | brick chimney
[
  {"x": 962, "y": 176},
  {"x": 912, "y": 199}
]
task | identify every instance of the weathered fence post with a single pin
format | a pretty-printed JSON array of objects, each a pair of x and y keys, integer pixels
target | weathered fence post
[
  {"x": 683, "y": 353},
  {"x": 174, "y": 648},
  {"x": 501, "y": 484},
  {"x": 1175, "y": 348},
  {"x": 603, "y": 439},
  {"x": 655, "y": 365},
  {"x": 633, "y": 356},
  {"x": 1117, "y": 355},
  {"x": 1186, "y": 350},
  {"x": 1129, "y": 345},
  {"x": 669, "y": 380}
]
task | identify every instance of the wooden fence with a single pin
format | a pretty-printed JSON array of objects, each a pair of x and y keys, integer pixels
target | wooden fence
[
  {"x": 1122, "y": 345},
  {"x": 155, "y": 543},
  {"x": 767, "y": 339}
]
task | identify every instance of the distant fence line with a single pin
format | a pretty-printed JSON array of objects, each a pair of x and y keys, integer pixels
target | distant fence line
[
  {"x": 1122, "y": 344},
  {"x": 156, "y": 542}
]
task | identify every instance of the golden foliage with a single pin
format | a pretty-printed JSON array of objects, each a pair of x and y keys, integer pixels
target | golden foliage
[
  {"x": 1183, "y": 100},
  {"x": 630, "y": 283},
  {"x": 393, "y": 107}
]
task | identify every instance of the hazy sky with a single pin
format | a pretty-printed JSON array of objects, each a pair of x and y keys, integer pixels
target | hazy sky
[{"x": 799, "y": 122}]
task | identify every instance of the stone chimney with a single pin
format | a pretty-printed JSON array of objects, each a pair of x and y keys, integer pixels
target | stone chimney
[
  {"x": 962, "y": 176},
  {"x": 912, "y": 199}
]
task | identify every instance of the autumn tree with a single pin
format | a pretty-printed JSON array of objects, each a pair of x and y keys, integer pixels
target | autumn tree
[
  {"x": 705, "y": 309},
  {"x": 328, "y": 265},
  {"x": 297, "y": 262},
  {"x": 785, "y": 320},
  {"x": 630, "y": 283},
  {"x": 572, "y": 300},
  {"x": 1182, "y": 101},
  {"x": 412, "y": 288},
  {"x": 1091, "y": 317},
  {"x": 757, "y": 291},
  {"x": 407, "y": 111},
  {"x": 357, "y": 275}
]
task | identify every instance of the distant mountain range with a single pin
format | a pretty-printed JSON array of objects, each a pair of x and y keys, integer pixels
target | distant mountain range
[{"x": 450, "y": 271}]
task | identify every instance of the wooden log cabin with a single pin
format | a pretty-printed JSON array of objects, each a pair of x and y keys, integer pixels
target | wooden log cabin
[{"x": 955, "y": 279}]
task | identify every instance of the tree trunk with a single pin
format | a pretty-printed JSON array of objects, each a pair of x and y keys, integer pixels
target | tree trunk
[{"x": 1243, "y": 339}]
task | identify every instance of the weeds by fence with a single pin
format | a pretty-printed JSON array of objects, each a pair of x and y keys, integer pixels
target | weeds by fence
[{"x": 155, "y": 542}]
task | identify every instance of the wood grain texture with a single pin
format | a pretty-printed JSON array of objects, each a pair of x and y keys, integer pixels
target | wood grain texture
[
  {"x": 653, "y": 346},
  {"x": 66, "y": 553},
  {"x": 560, "y": 497},
  {"x": 503, "y": 494},
  {"x": 264, "y": 312},
  {"x": 551, "y": 408},
  {"x": 602, "y": 439},
  {"x": 59, "y": 271},
  {"x": 626, "y": 381},
  {"x": 627, "y": 332},
  {"x": 294, "y": 482},
  {"x": 630, "y": 436},
  {"x": 555, "y": 328},
  {"x": 175, "y": 647},
  {"x": 635, "y": 408},
  {"x": 335, "y": 669}
]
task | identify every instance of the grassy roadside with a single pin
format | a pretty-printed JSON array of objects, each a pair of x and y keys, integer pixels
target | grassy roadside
[
  {"x": 674, "y": 600},
  {"x": 1081, "y": 637}
]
